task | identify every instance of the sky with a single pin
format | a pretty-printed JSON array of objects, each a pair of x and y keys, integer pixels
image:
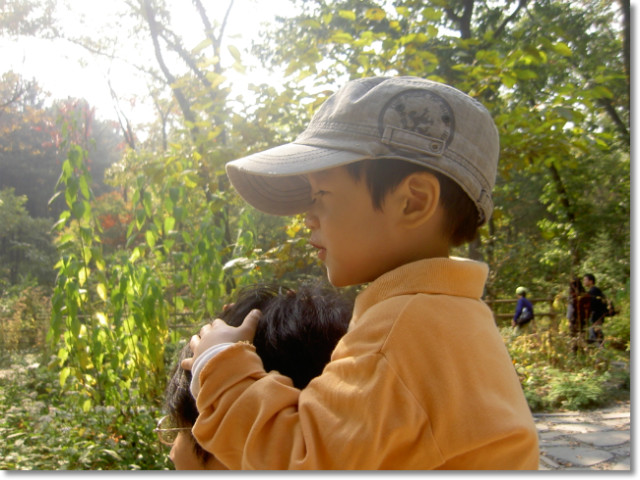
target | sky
[{"x": 66, "y": 70}]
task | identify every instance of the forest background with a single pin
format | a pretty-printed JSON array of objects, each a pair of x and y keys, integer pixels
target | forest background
[{"x": 119, "y": 239}]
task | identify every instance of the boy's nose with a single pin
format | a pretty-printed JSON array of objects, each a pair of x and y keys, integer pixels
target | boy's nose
[{"x": 311, "y": 221}]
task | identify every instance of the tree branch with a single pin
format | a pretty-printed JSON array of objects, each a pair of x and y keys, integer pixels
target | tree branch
[
  {"x": 613, "y": 114},
  {"x": 171, "y": 80},
  {"x": 464, "y": 20},
  {"x": 626, "y": 19},
  {"x": 498, "y": 32}
]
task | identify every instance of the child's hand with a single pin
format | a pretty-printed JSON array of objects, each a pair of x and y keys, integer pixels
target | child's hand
[{"x": 219, "y": 332}]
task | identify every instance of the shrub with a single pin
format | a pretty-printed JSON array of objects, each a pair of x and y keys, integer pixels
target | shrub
[
  {"x": 575, "y": 391},
  {"x": 24, "y": 317},
  {"x": 555, "y": 375},
  {"x": 44, "y": 429}
]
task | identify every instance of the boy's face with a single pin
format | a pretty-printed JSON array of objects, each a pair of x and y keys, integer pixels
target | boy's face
[
  {"x": 354, "y": 240},
  {"x": 184, "y": 456}
]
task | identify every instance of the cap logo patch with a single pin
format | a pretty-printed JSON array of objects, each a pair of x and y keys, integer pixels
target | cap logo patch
[{"x": 425, "y": 114}]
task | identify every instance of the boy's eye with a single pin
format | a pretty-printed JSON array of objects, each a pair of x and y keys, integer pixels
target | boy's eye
[{"x": 319, "y": 193}]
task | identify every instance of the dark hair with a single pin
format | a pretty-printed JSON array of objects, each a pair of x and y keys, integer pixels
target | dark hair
[
  {"x": 591, "y": 277},
  {"x": 295, "y": 336},
  {"x": 383, "y": 175},
  {"x": 576, "y": 287}
]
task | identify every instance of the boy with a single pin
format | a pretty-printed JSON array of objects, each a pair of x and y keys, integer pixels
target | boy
[
  {"x": 391, "y": 173},
  {"x": 296, "y": 334}
]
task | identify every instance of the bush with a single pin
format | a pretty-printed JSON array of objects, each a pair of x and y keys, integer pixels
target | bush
[
  {"x": 575, "y": 391},
  {"x": 45, "y": 429},
  {"x": 556, "y": 372},
  {"x": 24, "y": 318}
]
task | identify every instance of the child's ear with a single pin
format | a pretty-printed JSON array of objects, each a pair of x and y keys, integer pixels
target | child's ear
[{"x": 420, "y": 193}]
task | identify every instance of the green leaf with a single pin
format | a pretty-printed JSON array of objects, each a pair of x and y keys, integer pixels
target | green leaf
[
  {"x": 341, "y": 37},
  {"x": 562, "y": 48},
  {"x": 64, "y": 374},
  {"x": 375, "y": 14},
  {"x": 235, "y": 53},
  {"x": 508, "y": 79},
  {"x": 202, "y": 45},
  {"x": 151, "y": 238},
  {"x": 348, "y": 14},
  {"x": 84, "y": 187},
  {"x": 102, "y": 291},
  {"x": 169, "y": 224}
]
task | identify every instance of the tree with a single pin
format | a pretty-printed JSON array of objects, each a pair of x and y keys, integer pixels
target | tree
[
  {"x": 31, "y": 146},
  {"x": 555, "y": 77},
  {"x": 26, "y": 247}
]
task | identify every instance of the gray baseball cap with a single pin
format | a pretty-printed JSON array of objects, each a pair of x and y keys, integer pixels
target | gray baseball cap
[{"x": 404, "y": 118}]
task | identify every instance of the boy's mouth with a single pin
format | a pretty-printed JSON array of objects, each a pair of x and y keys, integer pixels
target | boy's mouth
[{"x": 322, "y": 252}]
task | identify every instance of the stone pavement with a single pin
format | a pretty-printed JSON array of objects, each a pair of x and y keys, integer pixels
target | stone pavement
[{"x": 589, "y": 440}]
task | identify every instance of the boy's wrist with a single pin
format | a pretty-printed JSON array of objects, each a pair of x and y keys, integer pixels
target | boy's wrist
[{"x": 200, "y": 362}]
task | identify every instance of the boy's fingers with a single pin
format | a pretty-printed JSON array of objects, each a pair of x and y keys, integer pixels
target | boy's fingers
[
  {"x": 250, "y": 323},
  {"x": 186, "y": 364},
  {"x": 205, "y": 329},
  {"x": 193, "y": 343}
]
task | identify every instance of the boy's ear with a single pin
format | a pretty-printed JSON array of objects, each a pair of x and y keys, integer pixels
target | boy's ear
[{"x": 420, "y": 193}]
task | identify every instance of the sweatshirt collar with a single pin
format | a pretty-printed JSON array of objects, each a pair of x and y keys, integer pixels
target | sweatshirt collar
[{"x": 454, "y": 276}]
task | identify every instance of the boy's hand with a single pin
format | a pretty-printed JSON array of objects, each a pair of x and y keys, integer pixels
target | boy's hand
[{"x": 218, "y": 332}]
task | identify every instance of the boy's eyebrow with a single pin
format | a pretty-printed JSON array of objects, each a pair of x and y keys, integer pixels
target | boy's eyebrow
[{"x": 319, "y": 176}]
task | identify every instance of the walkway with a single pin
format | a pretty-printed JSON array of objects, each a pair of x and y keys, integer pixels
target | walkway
[{"x": 590, "y": 440}]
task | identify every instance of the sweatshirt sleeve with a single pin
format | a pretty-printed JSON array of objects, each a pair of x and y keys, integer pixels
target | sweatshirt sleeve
[
  {"x": 519, "y": 306},
  {"x": 356, "y": 415}
]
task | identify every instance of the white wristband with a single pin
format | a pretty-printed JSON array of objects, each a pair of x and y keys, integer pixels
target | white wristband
[{"x": 200, "y": 363}]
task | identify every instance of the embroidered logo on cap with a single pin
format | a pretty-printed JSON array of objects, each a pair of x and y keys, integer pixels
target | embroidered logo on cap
[{"x": 417, "y": 120}]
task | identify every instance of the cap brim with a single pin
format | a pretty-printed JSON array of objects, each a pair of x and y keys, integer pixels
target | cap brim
[{"x": 274, "y": 181}]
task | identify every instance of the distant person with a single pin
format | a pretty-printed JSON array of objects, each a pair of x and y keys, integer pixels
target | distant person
[
  {"x": 597, "y": 309},
  {"x": 575, "y": 315},
  {"x": 296, "y": 334},
  {"x": 524, "y": 309},
  {"x": 577, "y": 312},
  {"x": 391, "y": 173}
]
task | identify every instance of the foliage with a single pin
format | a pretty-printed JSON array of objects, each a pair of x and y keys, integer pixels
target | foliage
[
  {"x": 172, "y": 239},
  {"x": 31, "y": 142},
  {"x": 45, "y": 429},
  {"x": 25, "y": 311},
  {"x": 26, "y": 247},
  {"x": 556, "y": 372},
  {"x": 561, "y": 106},
  {"x": 108, "y": 326}
]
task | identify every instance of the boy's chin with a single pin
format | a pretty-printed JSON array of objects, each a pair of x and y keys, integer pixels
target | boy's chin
[{"x": 343, "y": 281}]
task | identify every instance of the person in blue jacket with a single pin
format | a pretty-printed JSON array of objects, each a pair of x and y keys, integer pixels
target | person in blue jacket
[{"x": 524, "y": 309}]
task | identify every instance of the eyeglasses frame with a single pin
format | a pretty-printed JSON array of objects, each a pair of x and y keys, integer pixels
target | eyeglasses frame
[{"x": 159, "y": 431}]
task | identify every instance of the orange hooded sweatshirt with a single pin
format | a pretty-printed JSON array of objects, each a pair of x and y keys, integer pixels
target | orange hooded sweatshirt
[{"x": 422, "y": 380}]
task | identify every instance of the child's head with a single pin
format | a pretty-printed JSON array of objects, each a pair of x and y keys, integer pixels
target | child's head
[
  {"x": 383, "y": 175},
  {"x": 389, "y": 134},
  {"x": 405, "y": 119},
  {"x": 296, "y": 334}
]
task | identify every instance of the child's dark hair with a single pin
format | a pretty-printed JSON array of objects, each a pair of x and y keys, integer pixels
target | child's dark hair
[
  {"x": 385, "y": 174},
  {"x": 295, "y": 336}
]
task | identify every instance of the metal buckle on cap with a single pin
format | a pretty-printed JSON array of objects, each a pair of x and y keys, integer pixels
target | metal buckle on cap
[{"x": 405, "y": 139}]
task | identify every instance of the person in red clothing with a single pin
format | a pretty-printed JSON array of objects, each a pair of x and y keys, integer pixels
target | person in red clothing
[{"x": 391, "y": 173}]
